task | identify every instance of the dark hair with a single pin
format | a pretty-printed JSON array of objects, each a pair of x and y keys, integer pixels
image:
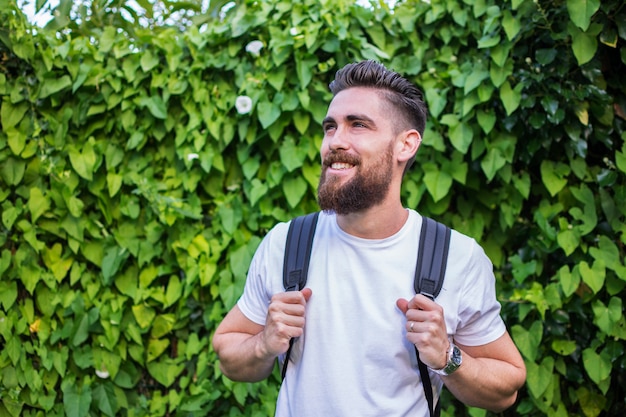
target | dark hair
[{"x": 403, "y": 95}]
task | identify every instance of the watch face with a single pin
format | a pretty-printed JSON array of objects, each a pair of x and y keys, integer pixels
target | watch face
[{"x": 456, "y": 356}]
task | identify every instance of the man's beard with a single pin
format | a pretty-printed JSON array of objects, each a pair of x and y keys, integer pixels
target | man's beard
[{"x": 366, "y": 189}]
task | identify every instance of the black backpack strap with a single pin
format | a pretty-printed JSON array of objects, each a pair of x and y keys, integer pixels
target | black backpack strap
[
  {"x": 431, "y": 257},
  {"x": 430, "y": 270},
  {"x": 297, "y": 254},
  {"x": 298, "y": 251}
]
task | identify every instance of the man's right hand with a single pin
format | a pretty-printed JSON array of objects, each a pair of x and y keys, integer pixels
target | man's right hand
[{"x": 285, "y": 320}]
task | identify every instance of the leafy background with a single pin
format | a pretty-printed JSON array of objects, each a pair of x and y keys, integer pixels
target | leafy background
[{"x": 133, "y": 193}]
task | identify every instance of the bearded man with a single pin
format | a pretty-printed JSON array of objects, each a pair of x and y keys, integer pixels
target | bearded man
[{"x": 358, "y": 323}]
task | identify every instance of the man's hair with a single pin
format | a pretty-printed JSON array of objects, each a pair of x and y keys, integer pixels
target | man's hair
[{"x": 403, "y": 95}]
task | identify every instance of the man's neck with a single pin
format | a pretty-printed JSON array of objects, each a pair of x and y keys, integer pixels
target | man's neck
[{"x": 377, "y": 222}]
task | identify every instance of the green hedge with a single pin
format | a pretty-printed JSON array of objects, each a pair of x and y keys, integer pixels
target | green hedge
[{"x": 133, "y": 193}]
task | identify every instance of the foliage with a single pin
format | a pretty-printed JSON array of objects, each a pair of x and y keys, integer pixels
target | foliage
[{"x": 133, "y": 190}]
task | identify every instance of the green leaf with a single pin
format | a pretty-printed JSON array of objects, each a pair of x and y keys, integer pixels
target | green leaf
[
  {"x": 528, "y": 341},
  {"x": 438, "y": 183},
  {"x": 570, "y": 281},
  {"x": 294, "y": 188},
  {"x": 53, "y": 85},
  {"x": 291, "y": 155},
  {"x": 598, "y": 366},
  {"x": 474, "y": 79},
  {"x": 564, "y": 347},
  {"x": 511, "y": 25},
  {"x": 554, "y": 176},
  {"x": 268, "y": 113},
  {"x": 84, "y": 162},
  {"x": 539, "y": 376},
  {"x": 38, "y": 204},
  {"x": 492, "y": 162},
  {"x": 165, "y": 371},
  {"x": 568, "y": 240},
  {"x": 593, "y": 277},
  {"x": 511, "y": 97},
  {"x": 581, "y": 12},
  {"x": 12, "y": 114},
  {"x": 148, "y": 61},
  {"x": 584, "y": 45},
  {"x": 258, "y": 191},
  {"x": 114, "y": 257},
  {"x": 76, "y": 402},
  {"x": 486, "y": 120},
  {"x": 8, "y": 291},
  {"x": 155, "y": 348},
  {"x": 12, "y": 170},
  {"x": 156, "y": 106},
  {"x": 143, "y": 315},
  {"x": 105, "y": 398},
  {"x": 461, "y": 136}
]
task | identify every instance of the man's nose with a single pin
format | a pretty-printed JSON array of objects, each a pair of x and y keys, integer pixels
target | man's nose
[{"x": 338, "y": 140}]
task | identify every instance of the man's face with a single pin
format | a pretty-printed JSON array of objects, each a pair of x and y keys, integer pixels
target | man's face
[{"x": 357, "y": 152}]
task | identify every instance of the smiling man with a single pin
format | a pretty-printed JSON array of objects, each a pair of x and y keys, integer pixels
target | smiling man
[{"x": 358, "y": 322}]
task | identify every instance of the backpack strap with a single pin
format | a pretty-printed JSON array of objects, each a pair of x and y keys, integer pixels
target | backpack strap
[
  {"x": 297, "y": 254},
  {"x": 430, "y": 270}
]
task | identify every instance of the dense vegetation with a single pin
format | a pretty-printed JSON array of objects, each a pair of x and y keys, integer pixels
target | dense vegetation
[{"x": 143, "y": 159}]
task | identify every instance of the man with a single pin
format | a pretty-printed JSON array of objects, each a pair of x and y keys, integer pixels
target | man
[{"x": 358, "y": 320}]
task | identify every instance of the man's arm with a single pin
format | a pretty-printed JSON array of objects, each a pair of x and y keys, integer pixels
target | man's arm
[
  {"x": 247, "y": 350},
  {"x": 489, "y": 376}
]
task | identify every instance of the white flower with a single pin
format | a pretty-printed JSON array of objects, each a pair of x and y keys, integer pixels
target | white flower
[
  {"x": 243, "y": 104},
  {"x": 254, "y": 47},
  {"x": 104, "y": 374},
  {"x": 192, "y": 156},
  {"x": 293, "y": 31}
]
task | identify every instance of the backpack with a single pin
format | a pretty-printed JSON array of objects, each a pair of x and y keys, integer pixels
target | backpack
[{"x": 429, "y": 272}]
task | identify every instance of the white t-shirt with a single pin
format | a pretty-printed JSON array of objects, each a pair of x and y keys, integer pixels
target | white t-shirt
[{"x": 354, "y": 358}]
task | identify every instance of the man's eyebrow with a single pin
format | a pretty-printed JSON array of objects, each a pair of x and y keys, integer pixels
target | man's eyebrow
[
  {"x": 353, "y": 117},
  {"x": 328, "y": 120}
]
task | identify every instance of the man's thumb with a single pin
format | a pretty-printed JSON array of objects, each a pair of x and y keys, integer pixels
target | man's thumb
[
  {"x": 403, "y": 305},
  {"x": 307, "y": 293}
]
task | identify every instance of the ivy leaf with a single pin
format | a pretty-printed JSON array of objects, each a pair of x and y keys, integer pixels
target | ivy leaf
[
  {"x": 554, "y": 176},
  {"x": 569, "y": 280},
  {"x": 294, "y": 188},
  {"x": 581, "y": 11},
  {"x": 594, "y": 276},
  {"x": 268, "y": 113},
  {"x": 437, "y": 182},
  {"x": 539, "y": 376},
  {"x": 511, "y": 25},
  {"x": 258, "y": 190},
  {"x": 76, "y": 402},
  {"x": 511, "y": 97},
  {"x": 155, "y": 348},
  {"x": 8, "y": 291},
  {"x": 528, "y": 341},
  {"x": 143, "y": 315},
  {"x": 83, "y": 162},
  {"x": 38, "y": 204},
  {"x": 598, "y": 366},
  {"x": 11, "y": 114},
  {"x": 461, "y": 136},
  {"x": 584, "y": 45},
  {"x": 105, "y": 398},
  {"x": 166, "y": 371}
]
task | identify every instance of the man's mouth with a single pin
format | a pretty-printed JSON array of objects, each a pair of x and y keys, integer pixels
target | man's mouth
[{"x": 341, "y": 165}]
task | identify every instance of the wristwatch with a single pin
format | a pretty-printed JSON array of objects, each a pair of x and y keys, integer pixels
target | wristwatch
[{"x": 454, "y": 361}]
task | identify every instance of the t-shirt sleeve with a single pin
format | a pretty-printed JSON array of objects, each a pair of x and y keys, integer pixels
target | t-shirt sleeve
[
  {"x": 480, "y": 319},
  {"x": 264, "y": 277}
]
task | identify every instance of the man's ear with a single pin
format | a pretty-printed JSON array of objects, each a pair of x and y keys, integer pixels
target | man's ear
[{"x": 408, "y": 143}]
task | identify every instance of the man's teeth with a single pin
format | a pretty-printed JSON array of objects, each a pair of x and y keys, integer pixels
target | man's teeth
[{"x": 341, "y": 165}]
